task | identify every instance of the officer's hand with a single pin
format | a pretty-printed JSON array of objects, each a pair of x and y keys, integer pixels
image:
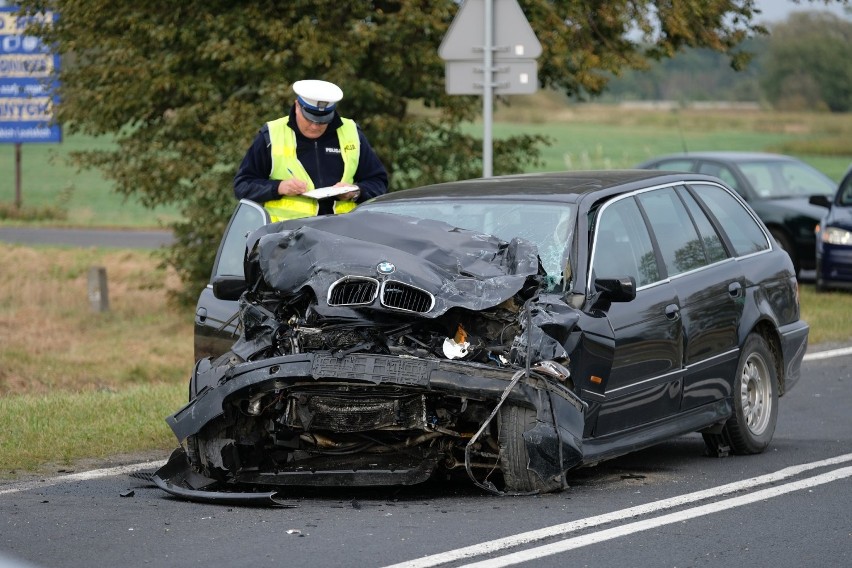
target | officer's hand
[
  {"x": 349, "y": 196},
  {"x": 292, "y": 187}
]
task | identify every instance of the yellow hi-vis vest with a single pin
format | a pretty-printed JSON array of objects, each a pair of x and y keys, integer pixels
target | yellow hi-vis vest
[{"x": 286, "y": 165}]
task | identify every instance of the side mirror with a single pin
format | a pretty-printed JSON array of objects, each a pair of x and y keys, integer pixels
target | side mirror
[
  {"x": 229, "y": 287},
  {"x": 820, "y": 200},
  {"x": 617, "y": 289}
]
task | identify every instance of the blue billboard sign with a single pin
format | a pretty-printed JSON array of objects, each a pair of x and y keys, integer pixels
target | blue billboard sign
[{"x": 27, "y": 74}]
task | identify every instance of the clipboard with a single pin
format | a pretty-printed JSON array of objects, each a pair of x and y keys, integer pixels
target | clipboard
[{"x": 330, "y": 191}]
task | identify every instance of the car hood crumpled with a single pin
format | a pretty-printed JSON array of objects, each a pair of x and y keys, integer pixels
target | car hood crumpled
[{"x": 460, "y": 268}]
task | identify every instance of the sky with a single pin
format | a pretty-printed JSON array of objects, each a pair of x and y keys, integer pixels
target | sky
[{"x": 778, "y": 10}]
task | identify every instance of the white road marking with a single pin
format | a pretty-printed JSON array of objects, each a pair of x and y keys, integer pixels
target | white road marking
[
  {"x": 529, "y": 537},
  {"x": 828, "y": 354},
  {"x": 82, "y": 476},
  {"x": 680, "y": 516}
]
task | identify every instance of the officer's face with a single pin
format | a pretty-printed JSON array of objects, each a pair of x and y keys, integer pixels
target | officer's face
[{"x": 307, "y": 127}]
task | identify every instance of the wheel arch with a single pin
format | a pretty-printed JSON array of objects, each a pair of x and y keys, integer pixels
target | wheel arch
[{"x": 769, "y": 332}]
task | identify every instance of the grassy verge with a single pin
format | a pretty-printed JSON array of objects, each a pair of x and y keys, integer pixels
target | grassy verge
[
  {"x": 62, "y": 427},
  {"x": 76, "y": 383},
  {"x": 828, "y": 315}
]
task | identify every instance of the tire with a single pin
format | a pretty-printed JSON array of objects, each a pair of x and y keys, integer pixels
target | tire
[
  {"x": 785, "y": 243},
  {"x": 755, "y": 399},
  {"x": 513, "y": 422},
  {"x": 819, "y": 281}
]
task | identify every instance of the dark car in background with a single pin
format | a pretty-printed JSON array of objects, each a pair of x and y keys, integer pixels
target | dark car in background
[
  {"x": 834, "y": 239},
  {"x": 511, "y": 329},
  {"x": 777, "y": 187}
]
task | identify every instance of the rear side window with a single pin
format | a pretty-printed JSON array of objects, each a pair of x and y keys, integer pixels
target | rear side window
[
  {"x": 713, "y": 247},
  {"x": 742, "y": 229},
  {"x": 724, "y": 173},
  {"x": 623, "y": 246},
  {"x": 677, "y": 239}
]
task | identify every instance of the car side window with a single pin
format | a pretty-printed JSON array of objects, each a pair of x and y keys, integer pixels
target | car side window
[
  {"x": 844, "y": 194},
  {"x": 677, "y": 238},
  {"x": 675, "y": 166},
  {"x": 713, "y": 246},
  {"x": 623, "y": 246},
  {"x": 247, "y": 218},
  {"x": 744, "y": 232},
  {"x": 722, "y": 172}
]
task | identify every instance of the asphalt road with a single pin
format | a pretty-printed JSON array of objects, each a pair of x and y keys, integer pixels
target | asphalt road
[{"x": 667, "y": 506}]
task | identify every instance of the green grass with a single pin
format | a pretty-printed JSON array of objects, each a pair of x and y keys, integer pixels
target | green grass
[
  {"x": 61, "y": 427},
  {"x": 828, "y": 315},
  {"x": 582, "y": 146},
  {"x": 48, "y": 180}
]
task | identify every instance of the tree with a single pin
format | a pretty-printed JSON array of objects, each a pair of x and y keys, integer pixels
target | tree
[
  {"x": 184, "y": 86},
  {"x": 807, "y": 64}
]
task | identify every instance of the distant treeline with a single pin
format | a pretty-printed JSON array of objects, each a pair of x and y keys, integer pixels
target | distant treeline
[{"x": 803, "y": 64}]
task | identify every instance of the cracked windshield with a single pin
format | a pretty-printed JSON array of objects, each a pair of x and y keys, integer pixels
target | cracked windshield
[{"x": 547, "y": 225}]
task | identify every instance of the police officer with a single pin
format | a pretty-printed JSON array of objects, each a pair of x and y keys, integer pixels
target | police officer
[{"x": 312, "y": 147}]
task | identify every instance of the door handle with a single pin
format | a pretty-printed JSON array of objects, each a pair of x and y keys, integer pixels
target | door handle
[
  {"x": 672, "y": 312},
  {"x": 735, "y": 289},
  {"x": 201, "y": 315}
]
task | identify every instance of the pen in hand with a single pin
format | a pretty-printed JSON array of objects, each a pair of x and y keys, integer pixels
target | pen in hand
[{"x": 297, "y": 185}]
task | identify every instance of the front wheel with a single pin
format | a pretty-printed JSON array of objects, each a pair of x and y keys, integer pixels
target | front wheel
[
  {"x": 755, "y": 395},
  {"x": 513, "y": 421}
]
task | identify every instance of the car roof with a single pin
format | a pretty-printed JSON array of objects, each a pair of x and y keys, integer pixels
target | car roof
[
  {"x": 729, "y": 156},
  {"x": 552, "y": 186}
]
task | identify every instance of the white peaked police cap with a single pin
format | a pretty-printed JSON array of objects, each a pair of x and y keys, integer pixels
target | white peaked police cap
[{"x": 317, "y": 99}]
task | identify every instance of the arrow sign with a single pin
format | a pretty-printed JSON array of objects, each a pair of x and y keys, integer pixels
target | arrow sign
[
  {"x": 513, "y": 36},
  {"x": 490, "y": 47}
]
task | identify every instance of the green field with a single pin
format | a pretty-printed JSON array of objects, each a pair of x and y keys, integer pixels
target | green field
[
  {"x": 582, "y": 137},
  {"x": 48, "y": 180}
]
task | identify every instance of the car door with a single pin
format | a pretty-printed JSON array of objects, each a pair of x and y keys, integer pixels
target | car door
[
  {"x": 710, "y": 288},
  {"x": 216, "y": 320},
  {"x": 645, "y": 380}
]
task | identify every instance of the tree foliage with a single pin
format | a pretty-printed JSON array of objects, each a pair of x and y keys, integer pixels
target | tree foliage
[
  {"x": 184, "y": 86},
  {"x": 807, "y": 63}
]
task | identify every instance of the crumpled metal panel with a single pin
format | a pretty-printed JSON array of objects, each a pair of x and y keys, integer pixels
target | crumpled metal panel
[{"x": 460, "y": 268}]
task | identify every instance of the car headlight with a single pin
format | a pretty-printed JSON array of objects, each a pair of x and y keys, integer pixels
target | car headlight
[{"x": 835, "y": 236}]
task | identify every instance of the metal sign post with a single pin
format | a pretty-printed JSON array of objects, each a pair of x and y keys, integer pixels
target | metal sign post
[
  {"x": 488, "y": 94},
  {"x": 490, "y": 48}
]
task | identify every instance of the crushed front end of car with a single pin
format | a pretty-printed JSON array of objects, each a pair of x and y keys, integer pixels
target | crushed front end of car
[{"x": 377, "y": 349}]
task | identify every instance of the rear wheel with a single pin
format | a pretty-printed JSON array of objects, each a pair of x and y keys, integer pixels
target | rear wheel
[
  {"x": 513, "y": 422},
  {"x": 755, "y": 395}
]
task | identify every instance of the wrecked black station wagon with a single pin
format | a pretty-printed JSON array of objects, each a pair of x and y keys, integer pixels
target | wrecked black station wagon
[{"x": 513, "y": 328}]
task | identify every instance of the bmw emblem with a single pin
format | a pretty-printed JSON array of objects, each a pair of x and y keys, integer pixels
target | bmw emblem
[{"x": 385, "y": 267}]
